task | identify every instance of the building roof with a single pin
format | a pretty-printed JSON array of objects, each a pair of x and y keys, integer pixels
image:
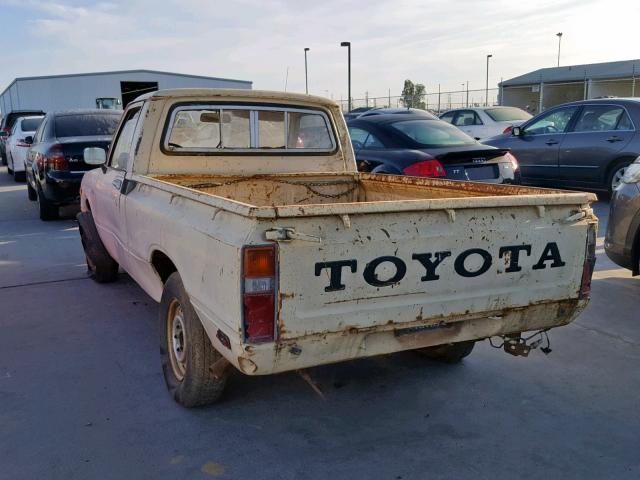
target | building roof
[
  {"x": 119, "y": 72},
  {"x": 573, "y": 73}
]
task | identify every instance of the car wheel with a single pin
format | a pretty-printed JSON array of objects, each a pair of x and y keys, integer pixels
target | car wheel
[
  {"x": 31, "y": 193},
  {"x": 46, "y": 209},
  {"x": 449, "y": 353},
  {"x": 101, "y": 266},
  {"x": 185, "y": 349},
  {"x": 9, "y": 171},
  {"x": 19, "y": 176},
  {"x": 615, "y": 177}
]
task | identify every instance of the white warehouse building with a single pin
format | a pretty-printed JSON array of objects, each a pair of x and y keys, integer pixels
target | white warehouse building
[{"x": 99, "y": 90}]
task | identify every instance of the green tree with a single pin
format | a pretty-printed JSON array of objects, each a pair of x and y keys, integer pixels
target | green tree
[{"x": 413, "y": 94}]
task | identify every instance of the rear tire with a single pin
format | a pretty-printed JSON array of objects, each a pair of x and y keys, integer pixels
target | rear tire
[
  {"x": 19, "y": 176},
  {"x": 9, "y": 171},
  {"x": 102, "y": 267},
  {"x": 185, "y": 349},
  {"x": 31, "y": 193},
  {"x": 448, "y": 353},
  {"x": 46, "y": 210}
]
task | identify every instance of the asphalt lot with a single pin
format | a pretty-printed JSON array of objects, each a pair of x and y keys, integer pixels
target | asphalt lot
[{"x": 82, "y": 394}]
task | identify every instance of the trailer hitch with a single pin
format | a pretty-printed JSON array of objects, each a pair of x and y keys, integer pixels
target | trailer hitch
[{"x": 519, "y": 346}]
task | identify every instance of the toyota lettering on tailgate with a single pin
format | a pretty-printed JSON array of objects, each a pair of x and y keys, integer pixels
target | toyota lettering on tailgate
[{"x": 550, "y": 256}]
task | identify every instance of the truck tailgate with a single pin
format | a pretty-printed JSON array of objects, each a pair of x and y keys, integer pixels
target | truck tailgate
[{"x": 399, "y": 268}]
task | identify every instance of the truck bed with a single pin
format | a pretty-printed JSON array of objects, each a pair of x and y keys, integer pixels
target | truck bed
[{"x": 311, "y": 194}]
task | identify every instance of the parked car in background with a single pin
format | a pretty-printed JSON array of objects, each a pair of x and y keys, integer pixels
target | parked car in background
[
  {"x": 356, "y": 112},
  {"x": 423, "y": 146},
  {"x": 400, "y": 111},
  {"x": 622, "y": 240},
  {"x": 55, "y": 162},
  {"x": 485, "y": 122},
  {"x": 586, "y": 144},
  {"x": 18, "y": 143},
  {"x": 7, "y": 124}
]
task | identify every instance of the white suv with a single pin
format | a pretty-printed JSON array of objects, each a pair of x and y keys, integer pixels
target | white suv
[{"x": 17, "y": 145}]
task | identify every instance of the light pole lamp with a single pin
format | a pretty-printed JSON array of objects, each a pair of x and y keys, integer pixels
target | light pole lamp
[
  {"x": 306, "y": 77},
  {"x": 486, "y": 89},
  {"x": 348, "y": 45},
  {"x": 559, "y": 35}
]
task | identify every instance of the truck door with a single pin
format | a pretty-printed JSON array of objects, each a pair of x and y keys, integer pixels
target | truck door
[{"x": 108, "y": 209}]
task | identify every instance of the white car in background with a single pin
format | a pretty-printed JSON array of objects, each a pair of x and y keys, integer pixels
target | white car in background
[
  {"x": 484, "y": 122},
  {"x": 17, "y": 145}
]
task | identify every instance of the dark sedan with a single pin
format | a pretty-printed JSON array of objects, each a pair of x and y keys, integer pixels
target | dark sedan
[
  {"x": 586, "y": 144},
  {"x": 424, "y": 146},
  {"x": 55, "y": 163}
]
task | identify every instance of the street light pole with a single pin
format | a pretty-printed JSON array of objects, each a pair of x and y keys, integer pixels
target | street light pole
[
  {"x": 348, "y": 45},
  {"x": 486, "y": 90},
  {"x": 467, "y": 93},
  {"x": 306, "y": 77},
  {"x": 559, "y": 35}
]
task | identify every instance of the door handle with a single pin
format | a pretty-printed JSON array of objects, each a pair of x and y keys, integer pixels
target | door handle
[
  {"x": 615, "y": 138},
  {"x": 551, "y": 142},
  {"x": 117, "y": 184}
]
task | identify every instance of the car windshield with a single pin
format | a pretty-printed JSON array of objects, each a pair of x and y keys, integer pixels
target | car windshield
[
  {"x": 31, "y": 124},
  {"x": 507, "y": 114},
  {"x": 433, "y": 133},
  {"x": 84, "y": 125}
]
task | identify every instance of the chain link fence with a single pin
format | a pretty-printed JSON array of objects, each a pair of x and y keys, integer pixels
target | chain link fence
[{"x": 434, "y": 102}]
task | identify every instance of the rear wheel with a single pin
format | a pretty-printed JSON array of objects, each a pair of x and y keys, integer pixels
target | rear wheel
[
  {"x": 9, "y": 170},
  {"x": 31, "y": 193},
  {"x": 185, "y": 349},
  {"x": 19, "y": 176},
  {"x": 47, "y": 210},
  {"x": 448, "y": 353},
  {"x": 615, "y": 176},
  {"x": 102, "y": 267}
]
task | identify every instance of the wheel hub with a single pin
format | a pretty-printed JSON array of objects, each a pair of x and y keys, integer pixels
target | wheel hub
[
  {"x": 617, "y": 177},
  {"x": 177, "y": 339}
]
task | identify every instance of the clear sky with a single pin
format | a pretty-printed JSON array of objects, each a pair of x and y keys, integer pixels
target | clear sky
[{"x": 430, "y": 42}]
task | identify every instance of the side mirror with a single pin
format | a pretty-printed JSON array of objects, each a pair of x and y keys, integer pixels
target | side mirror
[
  {"x": 94, "y": 156},
  {"x": 517, "y": 132},
  {"x": 28, "y": 140}
]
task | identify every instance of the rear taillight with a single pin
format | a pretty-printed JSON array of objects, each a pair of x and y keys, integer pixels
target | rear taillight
[
  {"x": 259, "y": 293},
  {"x": 514, "y": 161},
  {"x": 507, "y": 130},
  {"x": 54, "y": 158},
  {"x": 427, "y": 168},
  {"x": 589, "y": 262}
]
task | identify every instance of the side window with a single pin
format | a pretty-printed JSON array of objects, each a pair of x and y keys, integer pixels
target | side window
[
  {"x": 624, "y": 123},
  {"x": 121, "y": 151},
  {"x": 358, "y": 135},
  {"x": 448, "y": 117},
  {"x": 38, "y": 136},
  {"x": 601, "y": 118},
  {"x": 555, "y": 121},
  {"x": 373, "y": 142},
  {"x": 467, "y": 118}
]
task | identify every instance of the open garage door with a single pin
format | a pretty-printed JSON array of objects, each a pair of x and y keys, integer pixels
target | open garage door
[{"x": 132, "y": 90}]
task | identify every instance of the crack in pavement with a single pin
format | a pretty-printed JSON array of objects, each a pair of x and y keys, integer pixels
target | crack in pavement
[
  {"x": 606, "y": 334},
  {"x": 43, "y": 283}
]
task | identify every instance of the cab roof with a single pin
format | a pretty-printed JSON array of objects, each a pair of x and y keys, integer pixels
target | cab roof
[{"x": 239, "y": 93}]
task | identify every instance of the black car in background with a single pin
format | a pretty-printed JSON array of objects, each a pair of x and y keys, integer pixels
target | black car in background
[
  {"x": 586, "y": 144},
  {"x": 6, "y": 124},
  {"x": 425, "y": 146},
  {"x": 55, "y": 163}
]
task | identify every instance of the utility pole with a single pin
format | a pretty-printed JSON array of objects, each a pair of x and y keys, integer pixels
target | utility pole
[
  {"x": 348, "y": 45},
  {"x": 467, "y": 93},
  {"x": 438, "y": 99},
  {"x": 306, "y": 77},
  {"x": 486, "y": 89},
  {"x": 462, "y": 95},
  {"x": 559, "y": 35}
]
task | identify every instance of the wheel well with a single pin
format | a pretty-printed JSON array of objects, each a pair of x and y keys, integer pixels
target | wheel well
[
  {"x": 162, "y": 265},
  {"x": 614, "y": 163}
]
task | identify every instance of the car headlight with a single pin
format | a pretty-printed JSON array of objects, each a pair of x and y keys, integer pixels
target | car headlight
[{"x": 632, "y": 173}]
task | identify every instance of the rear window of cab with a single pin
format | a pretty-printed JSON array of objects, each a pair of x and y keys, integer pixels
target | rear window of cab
[{"x": 211, "y": 129}]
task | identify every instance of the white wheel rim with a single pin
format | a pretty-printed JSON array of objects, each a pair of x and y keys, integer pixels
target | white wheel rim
[
  {"x": 617, "y": 177},
  {"x": 177, "y": 339}
]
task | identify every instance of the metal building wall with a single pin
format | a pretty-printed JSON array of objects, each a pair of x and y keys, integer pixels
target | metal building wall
[{"x": 81, "y": 91}]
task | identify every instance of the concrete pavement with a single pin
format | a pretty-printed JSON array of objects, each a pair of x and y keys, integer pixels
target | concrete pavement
[{"x": 82, "y": 394}]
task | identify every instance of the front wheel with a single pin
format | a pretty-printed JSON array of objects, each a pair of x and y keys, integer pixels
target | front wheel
[
  {"x": 448, "y": 353},
  {"x": 31, "y": 193},
  {"x": 186, "y": 352}
]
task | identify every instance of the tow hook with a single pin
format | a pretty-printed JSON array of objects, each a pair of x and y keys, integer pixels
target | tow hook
[{"x": 519, "y": 346}]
